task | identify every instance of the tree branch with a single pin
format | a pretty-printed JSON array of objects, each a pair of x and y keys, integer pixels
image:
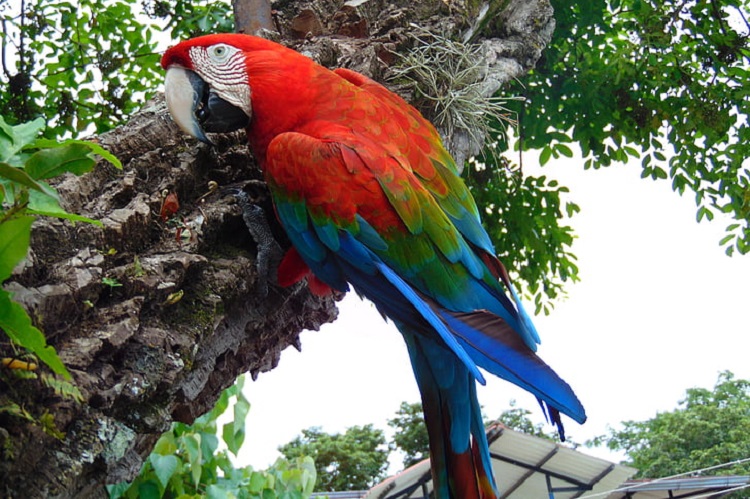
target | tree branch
[{"x": 252, "y": 16}]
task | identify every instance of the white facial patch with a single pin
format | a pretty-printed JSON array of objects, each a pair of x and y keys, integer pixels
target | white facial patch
[{"x": 223, "y": 68}]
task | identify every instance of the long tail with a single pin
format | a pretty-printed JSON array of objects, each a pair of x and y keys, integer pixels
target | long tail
[{"x": 459, "y": 454}]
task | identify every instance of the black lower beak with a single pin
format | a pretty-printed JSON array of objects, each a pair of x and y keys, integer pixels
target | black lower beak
[{"x": 216, "y": 115}]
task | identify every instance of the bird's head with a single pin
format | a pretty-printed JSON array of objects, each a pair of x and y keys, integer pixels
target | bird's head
[{"x": 207, "y": 86}]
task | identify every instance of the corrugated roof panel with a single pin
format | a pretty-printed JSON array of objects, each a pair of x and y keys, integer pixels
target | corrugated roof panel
[{"x": 522, "y": 465}]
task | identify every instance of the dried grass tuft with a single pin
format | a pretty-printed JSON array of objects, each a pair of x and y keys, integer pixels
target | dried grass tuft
[{"x": 451, "y": 81}]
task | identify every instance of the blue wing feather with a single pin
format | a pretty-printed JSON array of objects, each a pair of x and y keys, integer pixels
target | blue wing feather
[
  {"x": 328, "y": 234},
  {"x": 369, "y": 236},
  {"x": 495, "y": 347}
]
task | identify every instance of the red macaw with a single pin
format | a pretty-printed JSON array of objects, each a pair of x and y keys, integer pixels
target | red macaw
[{"x": 370, "y": 198}]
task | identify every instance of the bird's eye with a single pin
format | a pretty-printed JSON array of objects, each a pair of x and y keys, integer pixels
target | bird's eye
[{"x": 219, "y": 53}]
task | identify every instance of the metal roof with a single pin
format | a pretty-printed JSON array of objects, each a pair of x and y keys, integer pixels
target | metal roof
[
  {"x": 525, "y": 467},
  {"x": 702, "y": 486},
  {"x": 529, "y": 467}
]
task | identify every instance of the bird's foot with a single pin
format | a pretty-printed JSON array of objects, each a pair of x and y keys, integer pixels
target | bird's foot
[{"x": 269, "y": 251}]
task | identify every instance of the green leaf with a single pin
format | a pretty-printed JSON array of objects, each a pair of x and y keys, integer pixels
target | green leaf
[
  {"x": 14, "y": 243},
  {"x": 17, "y": 325},
  {"x": 43, "y": 204},
  {"x": 16, "y": 410},
  {"x": 571, "y": 209},
  {"x": 166, "y": 444},
  {"x": 15, "y": 138},
  {"x": 704, "y": 212},
  {"x": 545, "y": 155},
  {"x": 117, "y": 490},
  {"x": 93, "y": 146},
  {"x": 217, "y": 492},
  {"x": 19, "y": 176},
  {"x": 564, "y": 150},
  {"x": 209, "y": 444},
  {"x": 6, "y": 136},
  {"x": 233, "y": 432},
  {"x": 258, "y": 482},
  {"x": 164, "y": 467},
  {"x": 48, "y": 163},
  {"x": 307, "y": 465},
  {"x": 724, "y": 240},
  {"x": 111, "y": 282},
  {"x": 192, "y": 444},
  {"x": 659, "y": 173},
  {"x": 221, "y": 405},
  {"x": 149, "y": 490}
]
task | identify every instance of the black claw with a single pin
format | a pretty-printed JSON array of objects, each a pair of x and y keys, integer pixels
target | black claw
[
  {"x": 296, "y": 343},
  {"x": 269, "y": 251}
]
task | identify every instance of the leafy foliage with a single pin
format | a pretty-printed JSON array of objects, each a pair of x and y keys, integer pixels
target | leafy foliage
[
  {"x": 187, "y": 19},
  {"x": 354, "y": 460},
  {"x": 524, "y": 216},
  {"x": 517, "y": 418},
  {"x": 186, "y": 462},
  {"x": 87, "y": 65},
  {"x": 665, "y": 82},
  {"x": 20, "y": 375},
  {"x": 410, "y": 433},
  {"x": 707, "y": 429},
  {"x": 25, "y": 163}
]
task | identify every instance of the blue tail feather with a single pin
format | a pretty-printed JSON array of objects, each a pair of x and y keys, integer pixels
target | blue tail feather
[{"x": 453, "y": 419}]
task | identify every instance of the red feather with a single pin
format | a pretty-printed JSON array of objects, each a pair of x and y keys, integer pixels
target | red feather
[{"x": 293, "y": 269}]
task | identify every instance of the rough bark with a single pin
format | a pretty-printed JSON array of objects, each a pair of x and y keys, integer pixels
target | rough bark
[
  {"x": 141, "y": 359},
  {"x": 369, "y": 35}
]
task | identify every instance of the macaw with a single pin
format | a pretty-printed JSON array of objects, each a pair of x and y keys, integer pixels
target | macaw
[{"x": 371, "y": 199}]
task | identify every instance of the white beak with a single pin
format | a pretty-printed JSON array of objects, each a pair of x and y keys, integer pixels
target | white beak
[{"x": 183, "y": 90}]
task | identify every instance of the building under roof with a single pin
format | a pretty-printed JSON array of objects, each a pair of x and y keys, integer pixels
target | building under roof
[{"x": 529, "y": 467}]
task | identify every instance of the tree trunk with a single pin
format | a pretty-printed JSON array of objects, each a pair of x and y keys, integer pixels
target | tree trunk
[{"x": 155, "y": 317}]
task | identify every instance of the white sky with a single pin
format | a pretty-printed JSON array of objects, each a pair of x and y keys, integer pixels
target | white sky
[{"x": 660, "y": 309}]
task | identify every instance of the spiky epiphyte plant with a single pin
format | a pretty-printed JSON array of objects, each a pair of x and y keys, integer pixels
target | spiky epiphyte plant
[{"x": 455, "y": 88}]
